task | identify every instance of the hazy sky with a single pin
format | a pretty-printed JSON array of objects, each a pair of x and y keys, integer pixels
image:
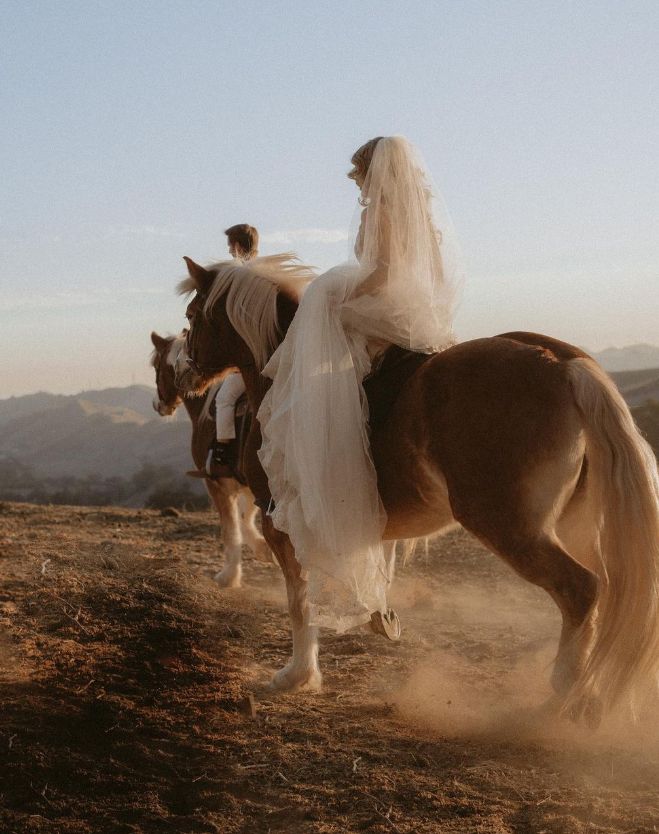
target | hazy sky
[{"x": 134, "y": 132}]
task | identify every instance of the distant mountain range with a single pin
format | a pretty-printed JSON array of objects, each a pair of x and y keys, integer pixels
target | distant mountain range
[
  {"x": 115, "y": 433},
  {"x": 638, "y": 387},
  {"x": 110, "y": 433},
  {"x": 631, "y": 358}
]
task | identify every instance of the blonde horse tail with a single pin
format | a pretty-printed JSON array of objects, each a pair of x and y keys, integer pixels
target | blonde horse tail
[
  {"x": 411, "y": 546},
  {"x": 623, "y": 663},
  {"x": 409, "y": 549}
]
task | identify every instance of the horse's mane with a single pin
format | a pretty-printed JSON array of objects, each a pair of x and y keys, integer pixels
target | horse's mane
[
  {"x": 250, "y": 290},
  {"x": 170, "y": 351}
]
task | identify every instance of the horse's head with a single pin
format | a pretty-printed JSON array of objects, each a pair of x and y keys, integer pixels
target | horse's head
[
  {"x": 163, "y": 359},
  {"x": 237, "y": 316},
  {"x": 212, "y": 346}
]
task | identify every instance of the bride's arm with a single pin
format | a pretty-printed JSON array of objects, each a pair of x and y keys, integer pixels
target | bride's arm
[{"x": 376, "y": 279}]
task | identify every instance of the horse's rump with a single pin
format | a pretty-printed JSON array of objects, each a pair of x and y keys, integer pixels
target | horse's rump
[{"x": 397, "y": 365}]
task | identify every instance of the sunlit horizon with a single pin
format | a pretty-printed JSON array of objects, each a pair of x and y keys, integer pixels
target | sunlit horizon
[{"x": 135, "y": 133}]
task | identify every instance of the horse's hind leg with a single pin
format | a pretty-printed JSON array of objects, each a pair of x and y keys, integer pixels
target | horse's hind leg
[{"x": 542, "y": 561}]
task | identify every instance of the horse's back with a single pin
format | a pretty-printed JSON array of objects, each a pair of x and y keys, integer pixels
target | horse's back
[
  {"x": 509, "y": 376},
  {"x": 498, "y": 391}
]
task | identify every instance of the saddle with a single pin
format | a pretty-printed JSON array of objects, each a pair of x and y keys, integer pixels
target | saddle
[
  {"x": 389, "y": 374},
  {"x": 243, "y": 423}
]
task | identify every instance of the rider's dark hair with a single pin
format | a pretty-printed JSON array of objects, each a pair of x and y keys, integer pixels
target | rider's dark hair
[{"x": 245, "y": 236}]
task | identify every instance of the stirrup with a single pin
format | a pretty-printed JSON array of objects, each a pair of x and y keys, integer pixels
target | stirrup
[
  {"x": 222, "y": 463},
  {"x": 223, "y": 453},
  {"x": 386, "y": 623}
]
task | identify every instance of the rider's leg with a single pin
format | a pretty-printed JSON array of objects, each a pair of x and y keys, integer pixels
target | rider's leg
[{"x": 223, "y": 452}]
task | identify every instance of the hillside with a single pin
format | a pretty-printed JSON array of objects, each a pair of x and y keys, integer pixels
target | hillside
[
  {"x": 97, "y": 447},
  {"x": 647, "y": 419},
  {"x": 630, "y": 358},
  {"x": 638, "y": 387},
  {"x": 134, "y": 399},
  {"x": 111, "y": 447},
  {"x": 110, "y": 432}
]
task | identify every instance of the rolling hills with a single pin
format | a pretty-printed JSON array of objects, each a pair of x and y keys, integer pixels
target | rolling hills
[{"x": 110, "y": 446}]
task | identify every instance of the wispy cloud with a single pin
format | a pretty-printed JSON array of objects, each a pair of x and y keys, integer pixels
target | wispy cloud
[
  {"x": 126, "y": 232},
  {"x": 306, "y": 236},
  {"x": 67, "y": 299}
]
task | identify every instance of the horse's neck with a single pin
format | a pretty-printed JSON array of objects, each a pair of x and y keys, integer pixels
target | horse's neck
[
  {"x": 203, "y": 431},
  {"x": 256, "y": 385},
  {"x": 193, "y": 406}
]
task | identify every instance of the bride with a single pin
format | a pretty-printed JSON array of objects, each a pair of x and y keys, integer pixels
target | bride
[{"x": 314, "y": 418}]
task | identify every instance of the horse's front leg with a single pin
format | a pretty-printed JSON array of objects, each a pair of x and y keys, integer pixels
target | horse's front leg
[{"x": 302, "y": 670}]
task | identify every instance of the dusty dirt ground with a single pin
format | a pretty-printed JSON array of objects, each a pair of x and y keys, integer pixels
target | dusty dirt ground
[{"x": 126, "y": 675}]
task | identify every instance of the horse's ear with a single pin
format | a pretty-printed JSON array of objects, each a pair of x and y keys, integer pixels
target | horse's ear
[
  {"x": 157, "y": 341},
  {"x": 202, "y": 278}
]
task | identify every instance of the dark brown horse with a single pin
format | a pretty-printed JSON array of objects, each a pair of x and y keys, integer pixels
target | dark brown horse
[
  {"x": 233, "y": 502},
  {"x": 522, "y": 439}
]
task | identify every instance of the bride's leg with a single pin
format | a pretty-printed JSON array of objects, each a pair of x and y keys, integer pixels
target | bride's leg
[{"x": 302, "y": 670}]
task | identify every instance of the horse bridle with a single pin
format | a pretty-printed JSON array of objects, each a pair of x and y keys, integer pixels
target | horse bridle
[
  {"x": 161, "y": 398},
  {"x": 158, "y": 373},
  {"x": 191, "y": 361},
  {"x": 190, "y": 347}
]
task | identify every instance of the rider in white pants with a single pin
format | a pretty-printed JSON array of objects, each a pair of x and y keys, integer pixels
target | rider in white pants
[
  {"x": 225, "y": 407},
  {"x": 243, "y": 242}
]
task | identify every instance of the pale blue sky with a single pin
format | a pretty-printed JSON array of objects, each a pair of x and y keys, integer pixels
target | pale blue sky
[{"x": 134, "y": 132}]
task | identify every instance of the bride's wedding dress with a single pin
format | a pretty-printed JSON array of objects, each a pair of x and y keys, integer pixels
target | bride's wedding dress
[{"x": 316, "y": 449}]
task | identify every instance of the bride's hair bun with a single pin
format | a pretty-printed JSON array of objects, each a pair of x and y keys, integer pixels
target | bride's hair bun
[{"x": 361, "y": 158}]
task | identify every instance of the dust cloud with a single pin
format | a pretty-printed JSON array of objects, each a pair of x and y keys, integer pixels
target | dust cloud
[{"x": 486, "y": 674}]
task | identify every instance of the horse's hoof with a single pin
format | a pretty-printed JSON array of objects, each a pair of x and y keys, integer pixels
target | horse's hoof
[
  {"x": 387, "y": 624},
  {"x": 289, "y": 679},
  {"x": 549, "y": 708},
  {"x": 228, "y": 578}
]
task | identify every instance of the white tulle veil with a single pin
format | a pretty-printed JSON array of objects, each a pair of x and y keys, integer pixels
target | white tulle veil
[
  {"x": 405, "y": 235},
  {"x": 399, "y": 289}
]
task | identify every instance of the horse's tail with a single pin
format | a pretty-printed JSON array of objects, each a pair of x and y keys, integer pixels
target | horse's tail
[
  {"x": 624, "y": 660},
  {"x": 411, "y": 546}
]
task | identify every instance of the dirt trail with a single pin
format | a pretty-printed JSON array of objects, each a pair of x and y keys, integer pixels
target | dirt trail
[{"x": 125, "y": 676}]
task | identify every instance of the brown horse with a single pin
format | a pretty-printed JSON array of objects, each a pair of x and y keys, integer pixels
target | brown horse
[
  {"x": 522, "y": 439},
  {"x": 233, "y": 502}
]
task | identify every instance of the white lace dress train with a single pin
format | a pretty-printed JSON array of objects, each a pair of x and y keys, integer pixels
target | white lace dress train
[{"x": 316, "y": 452}]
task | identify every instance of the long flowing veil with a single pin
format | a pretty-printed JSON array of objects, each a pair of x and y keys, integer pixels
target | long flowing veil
[
  {"x": 314, "y": 420},
  {"x": 406, "y": 237}
]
